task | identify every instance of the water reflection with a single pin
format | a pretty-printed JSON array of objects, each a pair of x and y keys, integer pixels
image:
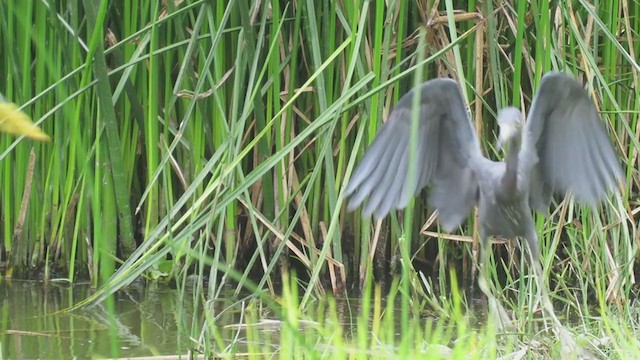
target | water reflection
[
  {"x": 144, "y": 322},
  {"x": 147, "y": 320}
]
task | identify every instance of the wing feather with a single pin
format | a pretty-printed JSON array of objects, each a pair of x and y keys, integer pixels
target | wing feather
[
  {"x": 565, "y": 145},
  {"x": 446, "y": 145}
]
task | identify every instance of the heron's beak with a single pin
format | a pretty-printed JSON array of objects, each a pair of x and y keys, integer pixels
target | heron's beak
[
  {"x": 499, "y": 144},
  {"x": 503, "y": 138},
  {"x": 507, "y": 132}
]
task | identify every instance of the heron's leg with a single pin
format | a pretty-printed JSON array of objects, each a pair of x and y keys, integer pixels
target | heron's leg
[
  {"x": 502, "y": 318},
  {"x": 567, "y": 341},
  {"x": 542, "y": 291}
]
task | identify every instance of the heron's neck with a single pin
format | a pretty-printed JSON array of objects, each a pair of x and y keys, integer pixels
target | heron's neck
[{"x": 510, "y": 178}]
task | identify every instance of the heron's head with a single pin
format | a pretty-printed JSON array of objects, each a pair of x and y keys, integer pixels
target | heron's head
[{"x": 510, "y": 122}]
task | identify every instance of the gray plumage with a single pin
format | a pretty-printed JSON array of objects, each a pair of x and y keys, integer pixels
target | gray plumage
[{"x": 563, "y": 147}]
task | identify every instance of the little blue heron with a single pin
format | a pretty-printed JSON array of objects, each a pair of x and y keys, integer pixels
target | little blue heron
[{"x": 562, "y": 148}]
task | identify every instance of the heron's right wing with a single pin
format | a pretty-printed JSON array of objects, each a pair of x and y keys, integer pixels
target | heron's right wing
[{"x": 446, "y": 144}]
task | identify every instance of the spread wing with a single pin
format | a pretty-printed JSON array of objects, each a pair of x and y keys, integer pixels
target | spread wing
[
  {"x": 446, "y": 145},
  {"x": 565, "y": 145}
]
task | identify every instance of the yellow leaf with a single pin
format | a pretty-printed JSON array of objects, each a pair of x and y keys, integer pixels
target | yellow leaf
[{"x": 14, "y": 121}]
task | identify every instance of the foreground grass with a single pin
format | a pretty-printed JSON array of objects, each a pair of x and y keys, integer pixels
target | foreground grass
[
  {"x": 370, "y": 328},
  {"x": 214, "y": 139}
]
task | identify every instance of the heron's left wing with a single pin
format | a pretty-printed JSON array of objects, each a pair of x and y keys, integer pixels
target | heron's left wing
[{"x": 565, "y": 146}]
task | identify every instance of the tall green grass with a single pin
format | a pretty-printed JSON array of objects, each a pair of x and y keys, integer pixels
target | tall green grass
[{"x": 215, "y": 138}]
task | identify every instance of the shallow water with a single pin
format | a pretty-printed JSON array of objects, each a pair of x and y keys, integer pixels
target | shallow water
[
  {"x": 144, "y": 323},
  {"x": 151, "y": 321}
]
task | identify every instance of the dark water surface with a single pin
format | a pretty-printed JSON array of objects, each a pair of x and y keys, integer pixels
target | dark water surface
[{"x": 144, "y": 323}]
